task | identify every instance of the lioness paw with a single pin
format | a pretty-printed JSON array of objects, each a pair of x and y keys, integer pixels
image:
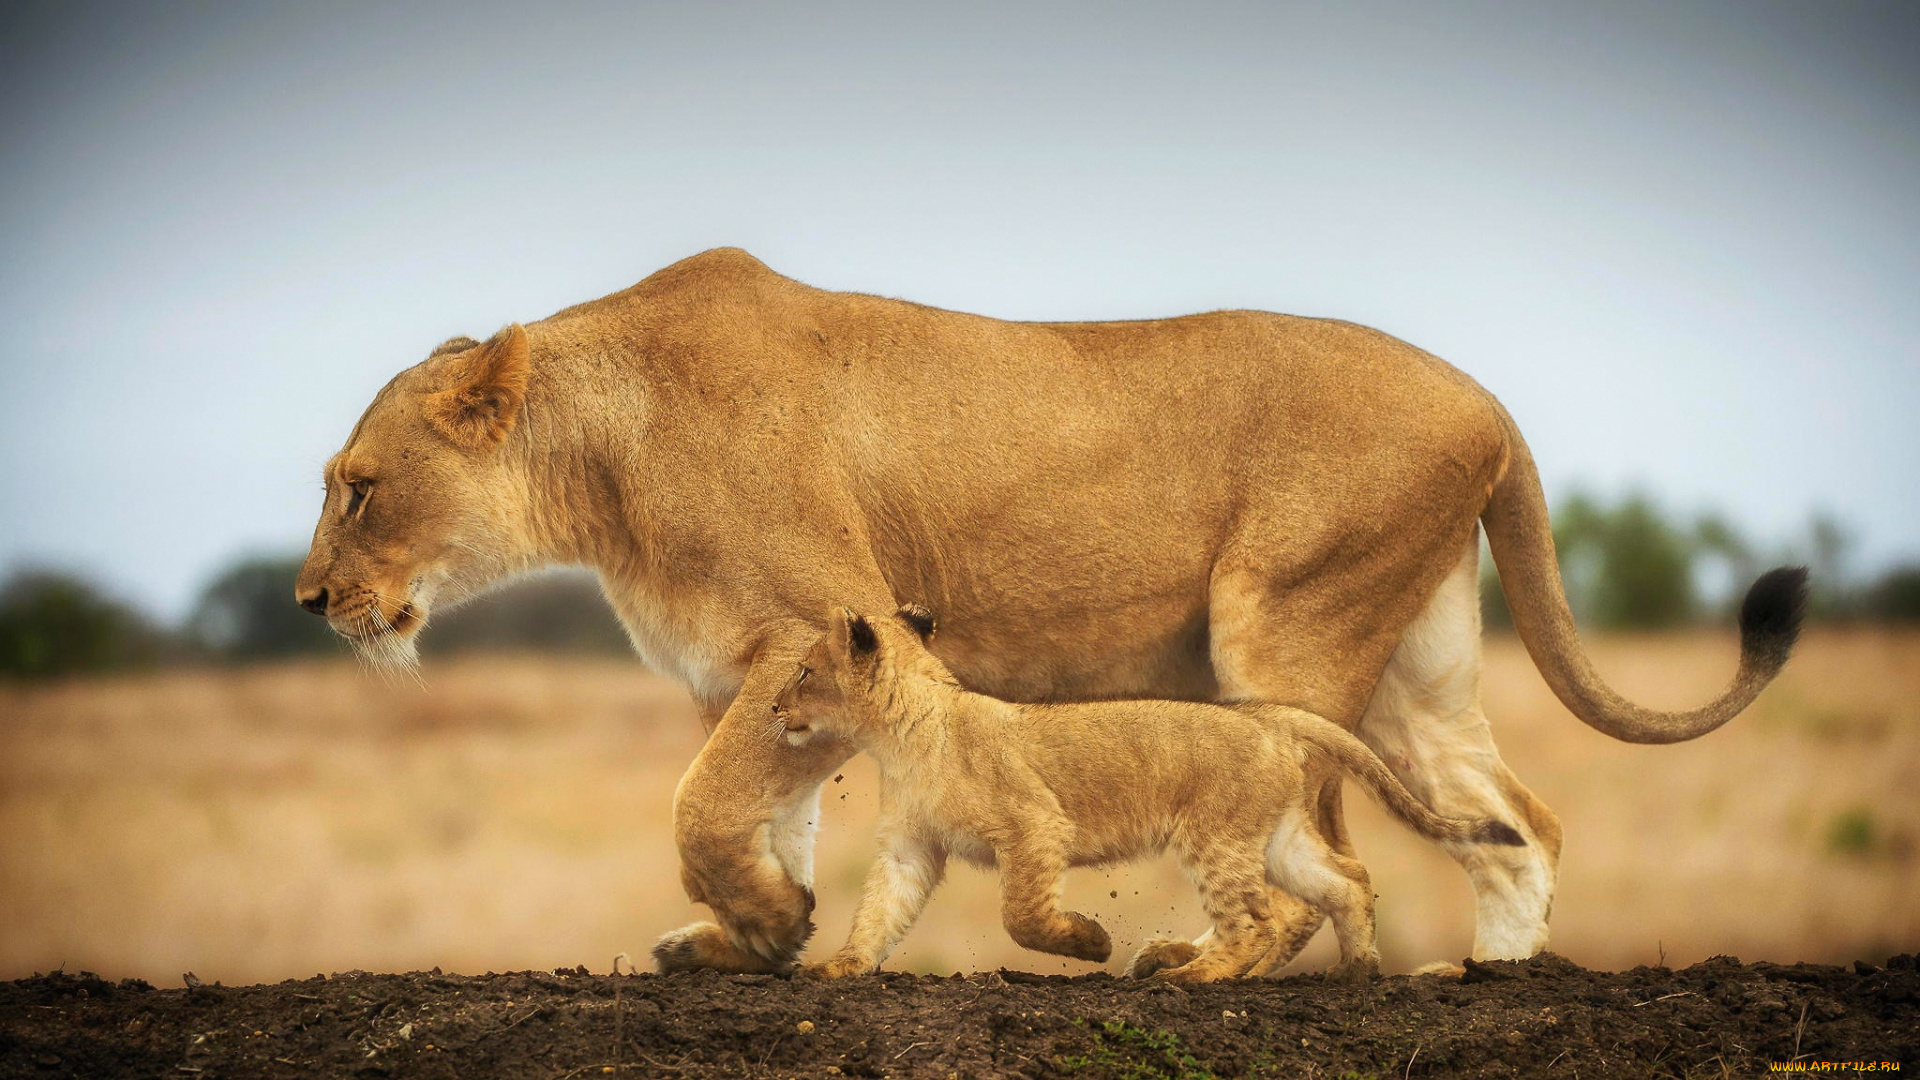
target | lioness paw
[
  {"x": 685, "y": 948},
  {"x": 706, "y": 945}
]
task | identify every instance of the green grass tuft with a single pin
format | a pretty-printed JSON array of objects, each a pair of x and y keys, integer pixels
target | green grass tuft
[
  {"x": 1853, "y": 832},
  {"x": 1124, "y": 1052}
]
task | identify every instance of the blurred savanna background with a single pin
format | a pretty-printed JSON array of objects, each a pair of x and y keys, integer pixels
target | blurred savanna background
[
  {"x": 1679, "y": 242},
  {"x": 237, "y": 797}
]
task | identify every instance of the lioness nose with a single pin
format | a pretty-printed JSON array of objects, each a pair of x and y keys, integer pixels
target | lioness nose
[{"x": 316, "y": 603}]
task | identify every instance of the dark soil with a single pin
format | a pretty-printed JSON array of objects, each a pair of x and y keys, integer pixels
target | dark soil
[{"x": 1533, "y": 1018}]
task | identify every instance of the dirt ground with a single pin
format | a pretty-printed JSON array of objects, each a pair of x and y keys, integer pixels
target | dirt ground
[{"x": 1543, "y": 1017}]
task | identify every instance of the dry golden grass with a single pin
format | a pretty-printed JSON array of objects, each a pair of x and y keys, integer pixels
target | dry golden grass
[{"x": 279, "y": 822}]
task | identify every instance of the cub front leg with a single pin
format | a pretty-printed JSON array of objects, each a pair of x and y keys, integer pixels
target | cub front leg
[
  {"x": 743, "y": 819},
  {"x": 904, "y": 874},
  {"x": 1030, "y": 879}
]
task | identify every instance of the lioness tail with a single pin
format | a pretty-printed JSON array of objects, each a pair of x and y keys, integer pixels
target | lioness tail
[{"x": 1521, "y": 539}]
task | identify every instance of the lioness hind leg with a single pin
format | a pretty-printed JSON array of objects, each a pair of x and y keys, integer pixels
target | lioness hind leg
[
  {"x": 1283, "y": 629},
  {"x": 1425, "y": 722}
]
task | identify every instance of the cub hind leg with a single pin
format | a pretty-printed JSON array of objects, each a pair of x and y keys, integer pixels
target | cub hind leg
[
  {"x": 1330, "y": 822},
  {"x": 1303, "y": 863},
  {"x": 1233, "y": 886}
]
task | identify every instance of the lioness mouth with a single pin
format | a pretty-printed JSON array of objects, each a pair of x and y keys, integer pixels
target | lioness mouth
[{"x": 371, "y": 625}]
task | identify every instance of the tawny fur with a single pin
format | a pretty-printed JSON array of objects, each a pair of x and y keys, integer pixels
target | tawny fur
[
  {"x": 1236, "y": 505},
  {"x": 1037, "y": 789}
]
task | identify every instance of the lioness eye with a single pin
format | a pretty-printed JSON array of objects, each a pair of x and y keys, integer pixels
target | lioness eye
[
  {"x": 356, "y": 495},
  {"x": 802, "y": 680}
]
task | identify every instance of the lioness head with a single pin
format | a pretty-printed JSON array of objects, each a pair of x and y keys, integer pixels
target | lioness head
[
  {"x": 422, "y": 503},
  {"x": 848, "y": 682}
]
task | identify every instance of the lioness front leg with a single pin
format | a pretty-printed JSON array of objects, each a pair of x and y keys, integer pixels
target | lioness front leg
[
  {"x": 904, "y": 874},
  {"x": 1030, "y": 874},
  {"x": 743, "y": 820},
  {"x": 764, "y": 926}
]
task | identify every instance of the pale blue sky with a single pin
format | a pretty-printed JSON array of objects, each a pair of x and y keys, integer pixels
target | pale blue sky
[{"x": 1682, "y": 242}]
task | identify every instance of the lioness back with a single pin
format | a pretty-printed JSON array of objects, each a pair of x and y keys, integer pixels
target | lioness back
[{"x": 1003, "y": 472}]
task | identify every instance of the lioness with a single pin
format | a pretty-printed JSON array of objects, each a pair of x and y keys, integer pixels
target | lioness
[
  {"x": 1036, "y": 789},
  {"x": 1233, "y": 506}
]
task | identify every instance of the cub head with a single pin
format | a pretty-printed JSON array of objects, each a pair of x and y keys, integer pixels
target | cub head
[
  {"x": 423, "y": 504},
  {"x": 859, "y": 674}
]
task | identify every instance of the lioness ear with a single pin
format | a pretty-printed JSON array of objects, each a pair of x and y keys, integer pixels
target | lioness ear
[
  {"x": 485, "y": 387},
  {"x": 453, "y": 345},
  {"x": 920, "y": 619},
  {"x": 861, "y": 639}
]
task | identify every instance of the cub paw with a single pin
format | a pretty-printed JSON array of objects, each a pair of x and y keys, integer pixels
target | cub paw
[
  {"x": 1159, "y": 955},
  {"x": 1188, "y": 975},
  {"x": 1354, "y": 972},
  {"x": 837, "y": 968},
  {"x": 1088, "y": 940}
]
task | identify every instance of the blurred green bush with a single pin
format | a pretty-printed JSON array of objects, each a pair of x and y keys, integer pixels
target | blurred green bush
[
  {"x": 248, "y": 613},
  {"x": 54, "y": 624}
]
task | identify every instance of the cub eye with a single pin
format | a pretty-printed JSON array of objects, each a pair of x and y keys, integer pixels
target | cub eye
[
  {"x": 802, "y": 680},
  {"x": 357, "y": 495}
]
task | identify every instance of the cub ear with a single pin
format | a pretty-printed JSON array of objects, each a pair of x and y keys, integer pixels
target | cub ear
[
  {"x": 485, "y": 386},
  {"x": 920, "y": 619},
  {"x": 861, "y": 640}
]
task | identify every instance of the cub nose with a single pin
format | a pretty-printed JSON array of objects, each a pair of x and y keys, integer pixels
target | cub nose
[{"x": 316, "y": 602}]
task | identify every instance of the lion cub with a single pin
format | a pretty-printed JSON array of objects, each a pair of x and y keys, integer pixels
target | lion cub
[{"x": 1036, "y": 789}]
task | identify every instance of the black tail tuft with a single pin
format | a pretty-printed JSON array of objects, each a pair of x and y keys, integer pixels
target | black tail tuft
[
  {"x": 1770, "y": 617},
  {"x": 1499, "y": 832}
]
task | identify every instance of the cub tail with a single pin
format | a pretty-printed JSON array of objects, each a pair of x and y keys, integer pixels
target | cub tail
[{"x": 1365, "y": 766}]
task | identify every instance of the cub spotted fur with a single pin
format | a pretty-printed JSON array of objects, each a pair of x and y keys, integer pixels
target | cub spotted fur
[{"x": 1036, "y": 789}]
